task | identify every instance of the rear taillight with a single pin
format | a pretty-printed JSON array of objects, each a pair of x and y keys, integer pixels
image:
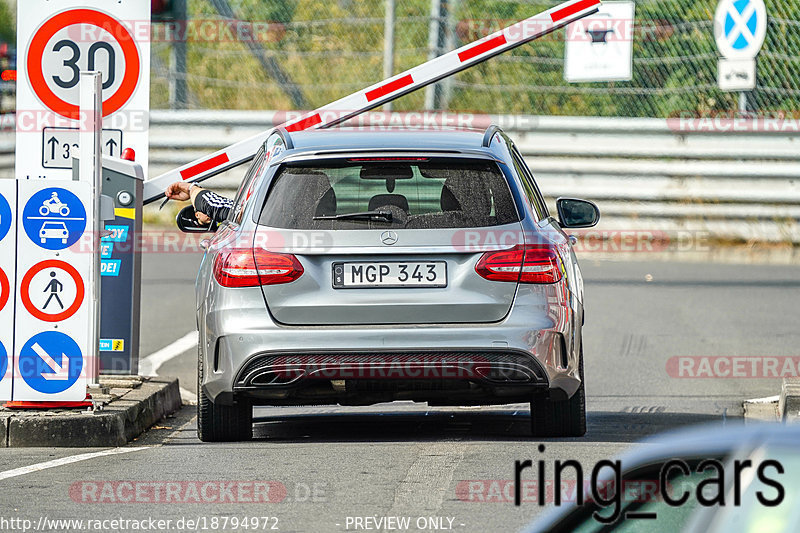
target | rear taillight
[
  {"x": 521, "y": 264},
  {"x": 246, "y": 267}
]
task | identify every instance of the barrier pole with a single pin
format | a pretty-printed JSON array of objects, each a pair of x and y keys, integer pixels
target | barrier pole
[{"x": 89, "y": 171}]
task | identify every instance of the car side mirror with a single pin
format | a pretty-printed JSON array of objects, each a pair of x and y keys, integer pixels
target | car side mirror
[
  {"x": 576, "y": 213},
  {"x": 188, "y": 223}
]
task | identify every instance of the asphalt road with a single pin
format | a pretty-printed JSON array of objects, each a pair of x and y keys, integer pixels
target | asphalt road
[{"x": 406, "y": 460}]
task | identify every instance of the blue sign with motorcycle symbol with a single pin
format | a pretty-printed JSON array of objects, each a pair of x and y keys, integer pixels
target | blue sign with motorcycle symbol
[{"x": 54, "y": 218}]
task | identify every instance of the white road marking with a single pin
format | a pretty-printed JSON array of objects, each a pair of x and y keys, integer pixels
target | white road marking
[
  {"x": 65, "y": 461},
  {"x": 149, "y": 365}
]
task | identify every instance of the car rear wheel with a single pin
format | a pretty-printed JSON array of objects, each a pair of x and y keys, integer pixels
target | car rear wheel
[
  {"x": 221, "y": 423},
  {"x": 565, "y": 418}
]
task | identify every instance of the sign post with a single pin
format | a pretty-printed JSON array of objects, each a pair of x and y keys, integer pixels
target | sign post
[
  {"x": 56, "y": 40},
  {"x": 740, "y": 27},
  {"x": 89, "y": 172}
]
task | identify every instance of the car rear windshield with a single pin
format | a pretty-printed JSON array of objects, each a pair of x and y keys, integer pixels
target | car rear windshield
[{"x": 389, "y": 194}]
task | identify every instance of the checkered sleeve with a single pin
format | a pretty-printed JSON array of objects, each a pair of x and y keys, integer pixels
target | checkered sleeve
[{"x": 213, "y": 205}]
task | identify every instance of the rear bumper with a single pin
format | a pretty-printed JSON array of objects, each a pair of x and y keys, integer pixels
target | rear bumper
[
  {"x": 373, "y": 376},
  {"x": 247, "y": 354}
]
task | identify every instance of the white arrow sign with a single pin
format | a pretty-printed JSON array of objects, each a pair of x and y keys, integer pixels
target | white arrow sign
[{"x": 61, "y": 371}]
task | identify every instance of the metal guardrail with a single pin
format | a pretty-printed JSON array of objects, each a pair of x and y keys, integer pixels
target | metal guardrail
[{"x": 644, "y": 173}]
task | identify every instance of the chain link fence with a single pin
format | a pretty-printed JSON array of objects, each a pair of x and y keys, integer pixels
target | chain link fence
[{"x": 300, "y": 54}]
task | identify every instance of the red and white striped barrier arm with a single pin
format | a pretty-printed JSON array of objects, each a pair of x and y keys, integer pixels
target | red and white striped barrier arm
[{"x": 386, "y": 91}]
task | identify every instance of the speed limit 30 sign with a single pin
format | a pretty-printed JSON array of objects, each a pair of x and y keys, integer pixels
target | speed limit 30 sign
[{"x": 56, "y": 40}]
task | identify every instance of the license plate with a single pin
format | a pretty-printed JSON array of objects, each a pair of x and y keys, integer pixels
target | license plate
[{"x": 394, "y": 274}]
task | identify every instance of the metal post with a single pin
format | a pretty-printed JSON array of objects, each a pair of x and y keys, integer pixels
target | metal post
[
  {"x": 388, "y": 45},
  {"x": 743, "y": 103},
  {"x": 451, "y": 6},
  {"x": 90, "y": 138},
  {"x": 434, "y": 50},
  {"x": 177, "y": 82}
]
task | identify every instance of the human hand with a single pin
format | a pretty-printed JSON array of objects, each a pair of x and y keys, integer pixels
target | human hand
[{"x": 178, "y": 191}]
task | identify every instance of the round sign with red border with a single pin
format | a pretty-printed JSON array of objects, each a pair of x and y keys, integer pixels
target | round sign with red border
[
  {"x": 25, "y": 286},
  {"x": 5, "y": 289},
  {"x": 46, "y": 31}
]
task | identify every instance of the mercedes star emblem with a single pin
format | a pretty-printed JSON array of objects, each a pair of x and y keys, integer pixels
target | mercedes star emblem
[{"x": 389, "y": 238}]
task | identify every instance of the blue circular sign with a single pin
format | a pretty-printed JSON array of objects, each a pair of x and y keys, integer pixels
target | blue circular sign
[
  {"x": 5, "y": 217},
  {"x": 3, "y": 361},
  {"x": 50, "y": 362},
  {"x": 54, "y": 218},
  {"x": 740, "y": 27}
]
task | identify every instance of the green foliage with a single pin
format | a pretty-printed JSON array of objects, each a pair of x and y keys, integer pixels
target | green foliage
[
  {"x": 7, "y": 25},
  {"x": 330, "y": 49}
]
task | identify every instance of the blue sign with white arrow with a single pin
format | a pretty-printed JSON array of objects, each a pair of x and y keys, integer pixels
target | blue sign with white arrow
[
  {"x": 5, "y": 217},
  {"x": 3, "y": 361},
  {"x": 54, "y": 218},
  {"x": 50, "y": 362}
]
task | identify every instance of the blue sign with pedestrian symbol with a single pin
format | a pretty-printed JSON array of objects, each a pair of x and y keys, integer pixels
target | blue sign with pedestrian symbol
[
  {"x": 5, "y": 217},
  {"x": 54, "y": 218},
  {"x": 50, "y": 362},
  {"x": 3, "y": 361}
]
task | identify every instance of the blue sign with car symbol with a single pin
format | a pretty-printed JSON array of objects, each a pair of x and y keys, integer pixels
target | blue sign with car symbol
[{"x": 54, "y": 218}]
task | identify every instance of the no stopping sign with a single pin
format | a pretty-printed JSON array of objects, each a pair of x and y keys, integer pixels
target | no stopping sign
[{"x": 76, "y": 40}]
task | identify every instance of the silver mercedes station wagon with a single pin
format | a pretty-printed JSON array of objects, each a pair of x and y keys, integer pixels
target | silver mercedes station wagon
[{"x": 361, "y": 266}]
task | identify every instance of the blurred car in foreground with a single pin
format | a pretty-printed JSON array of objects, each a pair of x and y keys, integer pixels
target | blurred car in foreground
[{"x": 756, "y": 490}]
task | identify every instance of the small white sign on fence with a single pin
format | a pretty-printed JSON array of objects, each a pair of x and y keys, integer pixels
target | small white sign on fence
[{"x": 600, "y": 46}]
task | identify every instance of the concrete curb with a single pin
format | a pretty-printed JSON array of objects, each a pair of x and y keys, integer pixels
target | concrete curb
[
  {"x": 117, "y": 424},
  {"x": 761, "y": 409},
  {"x": 789, "y": 401}
]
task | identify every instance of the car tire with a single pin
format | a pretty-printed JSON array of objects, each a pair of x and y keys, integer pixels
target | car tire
[
  {"x": 221, "y": 423},
  {"x": 565, "y": 418}
]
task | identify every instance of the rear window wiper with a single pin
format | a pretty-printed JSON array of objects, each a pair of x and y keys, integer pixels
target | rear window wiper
[{"x": 365, "y": 215}]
